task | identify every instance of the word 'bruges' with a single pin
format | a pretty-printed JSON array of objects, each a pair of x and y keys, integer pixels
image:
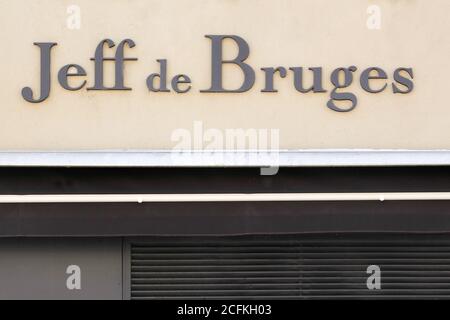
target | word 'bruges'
[{"x": 372, "y": 80}]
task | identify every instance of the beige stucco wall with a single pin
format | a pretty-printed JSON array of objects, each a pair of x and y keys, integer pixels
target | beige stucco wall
[{"x": 414, "y": 33}]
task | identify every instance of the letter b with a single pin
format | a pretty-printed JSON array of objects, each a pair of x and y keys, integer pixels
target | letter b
[{"x": 217, "y": 64}]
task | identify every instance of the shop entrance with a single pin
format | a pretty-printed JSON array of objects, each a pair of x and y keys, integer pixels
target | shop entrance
[{"x": 371, "y": 266}]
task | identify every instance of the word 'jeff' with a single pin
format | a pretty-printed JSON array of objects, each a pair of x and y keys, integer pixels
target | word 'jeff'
[{"x": 372, "y": 80}]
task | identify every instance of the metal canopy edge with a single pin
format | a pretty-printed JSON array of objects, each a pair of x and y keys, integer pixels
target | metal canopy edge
[{"x": 284, "y": 158}]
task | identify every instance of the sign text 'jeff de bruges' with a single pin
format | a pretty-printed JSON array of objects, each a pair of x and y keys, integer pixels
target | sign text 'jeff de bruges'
[{"x": 372, "y": 80}]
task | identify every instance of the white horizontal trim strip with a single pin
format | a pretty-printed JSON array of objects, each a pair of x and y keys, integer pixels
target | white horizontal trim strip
[
  {"x": 283, "y": 158},
  {"x": 224, "y": 197}
]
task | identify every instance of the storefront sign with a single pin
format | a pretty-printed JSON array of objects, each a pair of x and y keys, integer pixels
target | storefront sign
[
  {"x": 341, "y": 78},
  {"x": 142, "y": 75}
]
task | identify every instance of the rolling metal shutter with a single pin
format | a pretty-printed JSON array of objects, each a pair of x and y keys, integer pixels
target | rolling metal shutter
[{"x": 290, "y": 267}]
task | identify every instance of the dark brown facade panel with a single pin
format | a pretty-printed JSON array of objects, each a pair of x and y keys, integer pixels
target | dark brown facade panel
[
  {"x": 222, "y": 218},
  {"x": 237, "y": 180}
]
